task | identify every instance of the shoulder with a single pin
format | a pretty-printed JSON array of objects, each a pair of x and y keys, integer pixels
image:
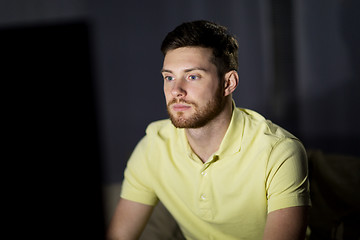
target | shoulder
[
  {"x": 152, "y": 143},
  {"x": 160, "y": 127},
  {"x": 161, "y": 131},
  {"x": 255, "y": 122},
  {"x": 265, "y": 134}
]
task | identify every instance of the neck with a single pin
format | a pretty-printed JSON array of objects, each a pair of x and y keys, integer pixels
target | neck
[{"x": 206, "y": 140}]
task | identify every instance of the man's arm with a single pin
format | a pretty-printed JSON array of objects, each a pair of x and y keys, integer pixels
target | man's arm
[
  {"x": 129, "y": 220},
  {"x": 287, "y": 224}
]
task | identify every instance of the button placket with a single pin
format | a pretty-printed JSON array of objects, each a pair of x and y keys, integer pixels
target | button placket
[
  {"x": 205, "y": 210},
  {"x": 204, "y": 185}
]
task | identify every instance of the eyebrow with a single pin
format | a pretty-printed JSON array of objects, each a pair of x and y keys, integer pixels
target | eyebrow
[{"x": 186, "y": 70}]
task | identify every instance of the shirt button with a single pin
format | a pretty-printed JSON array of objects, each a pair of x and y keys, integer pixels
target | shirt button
[
  {"x": 203, "y": 197},
  {"x": 204, "y": 173}
]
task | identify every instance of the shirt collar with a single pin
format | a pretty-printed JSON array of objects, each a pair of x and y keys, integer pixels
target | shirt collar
[{"x": 231, "y": 142}]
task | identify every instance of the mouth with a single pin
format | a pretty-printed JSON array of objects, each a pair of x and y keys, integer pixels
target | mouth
[{"x": 178, "y": 107}]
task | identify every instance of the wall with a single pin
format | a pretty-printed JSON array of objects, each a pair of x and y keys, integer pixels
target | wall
[
  {"x": 129, "y": 63},
  {"x": 316, "y": 99}
]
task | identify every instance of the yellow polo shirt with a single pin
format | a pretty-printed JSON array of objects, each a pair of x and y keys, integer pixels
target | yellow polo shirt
[{"x": 258, "y": 168}]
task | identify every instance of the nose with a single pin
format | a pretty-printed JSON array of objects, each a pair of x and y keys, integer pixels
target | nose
[{"x": 178, "y": 89}]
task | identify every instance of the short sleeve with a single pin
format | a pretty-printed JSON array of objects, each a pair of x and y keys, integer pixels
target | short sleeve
[
  {"x": 137, "y": 184},
  {"x": 287, "y": 183}
]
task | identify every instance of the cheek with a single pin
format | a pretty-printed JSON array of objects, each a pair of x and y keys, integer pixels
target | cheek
[
  {"x": 167, "y": 94},
  {"x": 217, "y": 89},
  {"x": 207, "y": 93}
]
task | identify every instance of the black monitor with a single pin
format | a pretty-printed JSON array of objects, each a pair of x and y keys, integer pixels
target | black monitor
[{"x": 50, "y": 100}]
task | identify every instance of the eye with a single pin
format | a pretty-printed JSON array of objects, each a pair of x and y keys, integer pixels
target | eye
[
  {"x": 193, "y": 77},
  {"x": 168, "y": 78}
]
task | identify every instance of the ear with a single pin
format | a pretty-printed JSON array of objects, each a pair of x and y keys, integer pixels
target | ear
[{"x": 231, "y": 82}]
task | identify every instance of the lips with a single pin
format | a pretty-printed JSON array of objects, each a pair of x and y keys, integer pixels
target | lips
[{"x": 178, "y": 107}]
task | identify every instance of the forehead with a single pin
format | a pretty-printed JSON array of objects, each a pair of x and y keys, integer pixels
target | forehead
[{"x": 188, "y": 57}]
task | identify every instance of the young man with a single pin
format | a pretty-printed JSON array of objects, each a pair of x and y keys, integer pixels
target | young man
[{"x": 222, "y": 172}]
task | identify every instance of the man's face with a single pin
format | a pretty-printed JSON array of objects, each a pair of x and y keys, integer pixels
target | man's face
[{"x": 191, "y": 86}]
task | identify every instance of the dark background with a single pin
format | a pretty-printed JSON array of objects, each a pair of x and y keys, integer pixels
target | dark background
[{"x": 82, "y": 81}]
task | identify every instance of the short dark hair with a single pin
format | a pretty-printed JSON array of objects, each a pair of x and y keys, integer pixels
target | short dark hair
[{"x": 205, "y": 34}]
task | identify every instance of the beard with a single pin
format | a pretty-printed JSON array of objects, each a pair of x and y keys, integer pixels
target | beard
[{"x": 202, "y": 115}]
